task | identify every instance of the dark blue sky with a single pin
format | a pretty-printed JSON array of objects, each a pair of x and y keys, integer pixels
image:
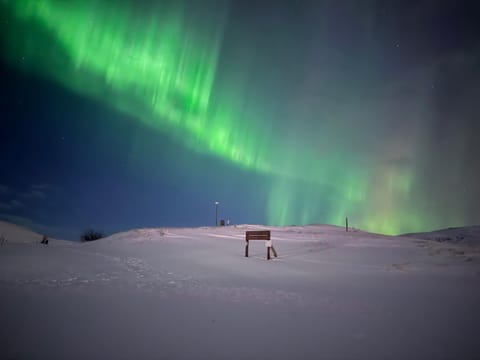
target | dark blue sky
[
  {"x": 367, "y": 108},
  {"x": 71, "y": 164}
]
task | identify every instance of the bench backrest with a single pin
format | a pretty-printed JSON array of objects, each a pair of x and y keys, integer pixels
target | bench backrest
[{"x": 257, "y": 235}]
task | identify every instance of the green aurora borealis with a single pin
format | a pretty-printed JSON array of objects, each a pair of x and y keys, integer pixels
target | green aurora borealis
[{"x": 183, "y": 70}]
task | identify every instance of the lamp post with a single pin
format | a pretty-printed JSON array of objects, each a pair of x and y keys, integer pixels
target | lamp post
[{"x": 216, "y": 213}]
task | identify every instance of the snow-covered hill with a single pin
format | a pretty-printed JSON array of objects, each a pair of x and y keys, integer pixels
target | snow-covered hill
[
  {"x": 189, "y": 293},
  {"x": 15, "y": 234},
  {"x": 468, "y": 235}
]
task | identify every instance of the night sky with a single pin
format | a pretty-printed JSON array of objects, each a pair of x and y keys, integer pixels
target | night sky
[{"x": 117, "y": 115}]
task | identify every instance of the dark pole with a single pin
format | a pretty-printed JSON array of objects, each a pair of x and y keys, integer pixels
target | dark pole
[
  {"x": 346, "y": 224},
  {"x": 216, "y": 213}
]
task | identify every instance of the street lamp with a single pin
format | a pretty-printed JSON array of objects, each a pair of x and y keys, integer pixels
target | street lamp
[{"x": 216, "y": 213}]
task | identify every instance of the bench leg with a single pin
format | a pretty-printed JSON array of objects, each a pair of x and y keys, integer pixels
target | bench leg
[
  {"x": 268, "y": 253},
  {"x": 274, "y": 252},
  {"x": 246, "y": 249}
]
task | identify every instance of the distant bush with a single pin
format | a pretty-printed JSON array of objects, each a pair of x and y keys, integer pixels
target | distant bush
[{"x": 90, "y": 235}]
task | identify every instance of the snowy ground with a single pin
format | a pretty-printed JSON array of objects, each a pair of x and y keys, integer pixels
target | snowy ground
[{"x": 191, "y": 294}]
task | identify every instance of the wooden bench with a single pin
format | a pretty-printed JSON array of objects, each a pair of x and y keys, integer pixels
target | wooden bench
[{"x": 259, "y": 235}]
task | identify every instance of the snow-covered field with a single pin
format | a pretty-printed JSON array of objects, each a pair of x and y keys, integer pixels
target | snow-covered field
[{"x": 191, "y": 294}]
